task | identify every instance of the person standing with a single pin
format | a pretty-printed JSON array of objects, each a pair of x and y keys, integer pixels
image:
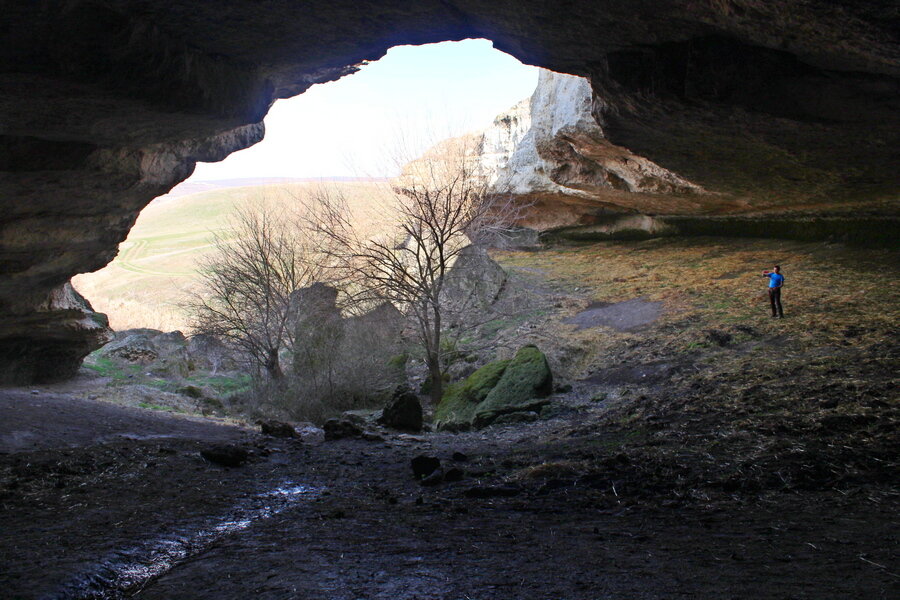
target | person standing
[{"x": 776, "y": 281}]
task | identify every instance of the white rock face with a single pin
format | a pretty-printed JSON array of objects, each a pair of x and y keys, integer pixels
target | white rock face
[
  {"x": 552, "y": 156},
  {"x": 551, "y": 144},
  {"x": 510, "y": 146}
]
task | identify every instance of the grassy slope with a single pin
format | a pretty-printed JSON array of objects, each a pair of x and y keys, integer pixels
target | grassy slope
[{"x": 160, "y": 258}]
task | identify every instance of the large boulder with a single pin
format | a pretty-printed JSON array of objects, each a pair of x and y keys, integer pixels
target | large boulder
[
  {"x": 162, "y": 353},
  {"x": 133, "y": 346},
  {"x": 474, "y": 282},
  {"x": 524, "y": 387},
  {"x": 404, "y": 411},
  {"x": 318, "y": 329},
  {"x": 456, "y": 410},
  {"x": 499, "y": 388},
  {"x": 208, "y": 353},
  {"x": 348, "y": 355}
]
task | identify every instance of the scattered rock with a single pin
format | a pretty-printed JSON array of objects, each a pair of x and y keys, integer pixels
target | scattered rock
[
  {"x": 309, "y": 432},
  {"x": 337, "y": 429},
  {"x": 424, "y": 465},
  {"x": 227, "y": 455},
  {"x": 459, "y": 457},
  {"x": 404, "y": 411},
  {"x": 276, "y": 428}
]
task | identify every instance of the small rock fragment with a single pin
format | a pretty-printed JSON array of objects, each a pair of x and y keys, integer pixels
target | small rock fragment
[{"x": 423, "y": 465}]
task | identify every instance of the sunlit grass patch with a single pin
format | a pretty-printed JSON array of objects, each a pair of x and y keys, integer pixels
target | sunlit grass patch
[{"x": 716, "y": 283}]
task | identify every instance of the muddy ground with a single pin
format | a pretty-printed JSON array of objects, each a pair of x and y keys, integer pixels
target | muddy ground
[
  {"x": 708, "y": 454},
  {"x": 544, "y": 510}
]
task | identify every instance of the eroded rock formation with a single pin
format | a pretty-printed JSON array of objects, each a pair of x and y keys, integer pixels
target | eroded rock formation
[
  {"x": 549, "y": 150},
  {"x": 105, "y": 104}
]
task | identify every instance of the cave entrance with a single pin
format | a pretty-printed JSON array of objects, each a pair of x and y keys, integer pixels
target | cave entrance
[{"x": 341, "y": 131}]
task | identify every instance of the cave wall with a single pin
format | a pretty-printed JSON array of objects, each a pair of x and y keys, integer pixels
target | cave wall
[{"x": 105, "y": 104}]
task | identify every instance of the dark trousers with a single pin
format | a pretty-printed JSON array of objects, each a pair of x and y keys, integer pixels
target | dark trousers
[{"x": 775, "y": 300}]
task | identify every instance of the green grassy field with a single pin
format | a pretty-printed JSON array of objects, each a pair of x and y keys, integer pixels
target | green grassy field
[{"x": 158, "y": 263}]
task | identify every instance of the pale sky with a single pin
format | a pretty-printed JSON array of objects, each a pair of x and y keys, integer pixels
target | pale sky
[{"x": 346, "y": 127}]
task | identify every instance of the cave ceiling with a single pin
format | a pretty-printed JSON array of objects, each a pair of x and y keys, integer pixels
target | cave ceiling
[{"x": 106, "y": 104}]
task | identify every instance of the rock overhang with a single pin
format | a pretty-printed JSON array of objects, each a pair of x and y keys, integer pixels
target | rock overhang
[{"x": 106, "y": 104}]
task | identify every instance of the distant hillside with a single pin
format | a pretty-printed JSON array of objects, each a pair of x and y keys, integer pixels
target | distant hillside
[
  {"x": 189, "y": 188},
  {"x": 158, "y": 262}
]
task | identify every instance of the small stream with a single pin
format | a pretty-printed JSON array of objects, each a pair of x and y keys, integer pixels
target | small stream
[{"x": 124, "y": 573}]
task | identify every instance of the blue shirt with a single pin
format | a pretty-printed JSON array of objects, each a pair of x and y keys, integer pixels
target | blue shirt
[{"x": 775, "y": 280}]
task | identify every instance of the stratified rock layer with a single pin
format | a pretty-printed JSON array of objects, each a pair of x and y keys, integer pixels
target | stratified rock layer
[
  {"x": 105, "y": 104},
  {"x": 49, "y": 342}
]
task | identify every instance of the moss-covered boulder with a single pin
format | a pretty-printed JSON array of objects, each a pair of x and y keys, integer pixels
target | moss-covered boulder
[
  {"x": 524, "y": 386},
  {"x": 498, "y": 388},
  {"x": 457, "y": 408}
]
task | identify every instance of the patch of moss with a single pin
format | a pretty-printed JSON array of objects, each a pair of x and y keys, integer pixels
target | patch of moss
[{"x": 457, "y": 407}]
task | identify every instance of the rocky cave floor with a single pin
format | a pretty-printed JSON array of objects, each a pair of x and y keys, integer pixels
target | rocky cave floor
[{"x": 711, "y": 453}]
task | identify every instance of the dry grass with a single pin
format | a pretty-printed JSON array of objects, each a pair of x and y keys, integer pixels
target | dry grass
[{"x": 715, "y": 283}]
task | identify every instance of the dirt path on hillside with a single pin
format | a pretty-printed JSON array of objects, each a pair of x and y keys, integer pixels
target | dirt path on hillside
[{"x": 82, "y": 518}]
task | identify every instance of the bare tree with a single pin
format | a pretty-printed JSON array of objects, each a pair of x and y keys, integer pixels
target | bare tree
[
  {"x": 440, "y": 204},
  {"x": 245, "y": 290}
]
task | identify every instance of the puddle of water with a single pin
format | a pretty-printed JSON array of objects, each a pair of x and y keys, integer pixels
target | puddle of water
[{"x": 126, "y": 572}]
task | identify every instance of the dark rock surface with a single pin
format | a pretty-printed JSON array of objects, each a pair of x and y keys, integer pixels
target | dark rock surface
[
  {"x": 47, "y": 341},
  {"x": 227, "y": 455},
  {"x": 106, "y": 105},
  {"x": 277, "y": 428},
  {"x": 622, "y": 316},
  {"x": 337, "y": 429},
  {"x": 424, "y": 465}
]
